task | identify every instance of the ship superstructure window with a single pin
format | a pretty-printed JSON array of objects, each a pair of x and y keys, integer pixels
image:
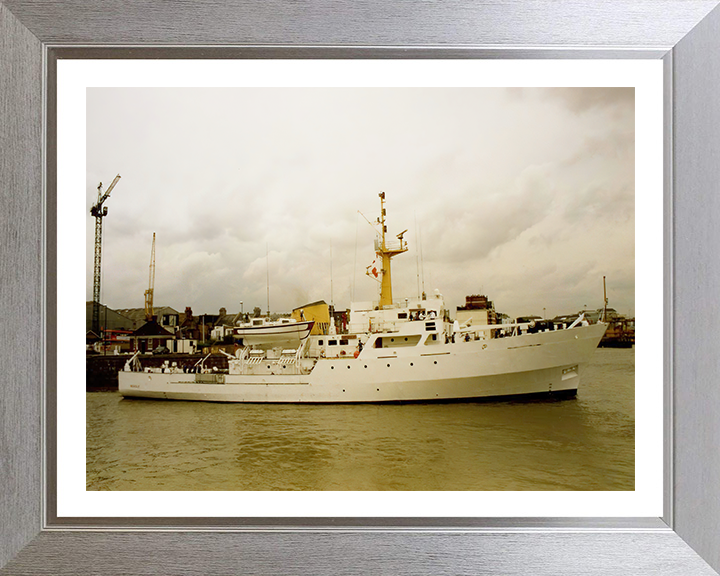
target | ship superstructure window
[
  {"x": 429, "y": 326},
  {"x": 402, "y": 315},
  {"x": 397, "y": 341},
  {"x": 332, "y": 343}
]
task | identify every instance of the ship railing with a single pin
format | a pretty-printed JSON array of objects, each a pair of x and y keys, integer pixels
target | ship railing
[
  {"x": 256, "y": 357},
  {"x": 287, "y": 356},
  {"x": 391, "y": 246},
  {"x": 516, "y": 328}
]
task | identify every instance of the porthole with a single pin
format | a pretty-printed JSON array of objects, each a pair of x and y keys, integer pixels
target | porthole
[
  {"x": 435, "y": 362},
  {"x": 332, "y": 367},
  {"x": 348, "y": 367},
  {"x": 365, "y": 365},
  {"x": 388, "y": 365},
  {"x": 411, "y": 363}
]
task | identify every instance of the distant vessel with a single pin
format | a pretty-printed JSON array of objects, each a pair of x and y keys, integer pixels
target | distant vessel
[
  {"x": 394, "y": 352},
  {"x": 620, "y": 332}
]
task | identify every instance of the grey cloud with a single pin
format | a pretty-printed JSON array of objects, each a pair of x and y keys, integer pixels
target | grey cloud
[
  {"x": 512, "y": 191},
  {"x": 581, "y": 100}
]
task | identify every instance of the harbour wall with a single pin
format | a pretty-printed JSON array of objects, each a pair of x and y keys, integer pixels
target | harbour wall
[{"x": 101, "y": 372}]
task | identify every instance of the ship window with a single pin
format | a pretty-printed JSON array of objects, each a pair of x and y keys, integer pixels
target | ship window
[
  {"x": 343, "y": 342},
  {"x": 320, "y": 342},
  {"x": 402, "y": 315},
  {"x": 393, "y": 342},
  {"x": 429, "y": 326},
  {"x": 431, "y": 339},
  {"x": 332, "y": 342}
]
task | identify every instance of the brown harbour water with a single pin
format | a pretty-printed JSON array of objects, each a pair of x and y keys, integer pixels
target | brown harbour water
[{"x": 584, "y": 443}]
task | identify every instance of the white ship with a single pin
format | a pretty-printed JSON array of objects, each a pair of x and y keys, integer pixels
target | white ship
[{"x": 405, "y": 352}]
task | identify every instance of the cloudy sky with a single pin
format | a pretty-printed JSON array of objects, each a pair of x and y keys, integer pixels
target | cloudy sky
[{"x": 524, "y": 194}]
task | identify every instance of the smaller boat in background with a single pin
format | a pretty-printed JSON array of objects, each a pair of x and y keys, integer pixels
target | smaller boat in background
[{"x": 264, "y": 332}]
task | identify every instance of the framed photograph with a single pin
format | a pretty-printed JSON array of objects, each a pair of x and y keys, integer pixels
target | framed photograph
[
  {"x": 76, "y": 76},
  {"x": 227, "y": 163}
]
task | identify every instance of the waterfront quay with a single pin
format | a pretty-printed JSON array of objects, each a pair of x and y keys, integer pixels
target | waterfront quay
[{"x": 102, "y": 370}]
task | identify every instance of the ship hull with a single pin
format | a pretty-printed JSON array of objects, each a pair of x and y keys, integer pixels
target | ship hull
[{"x": 532, "y": 364}]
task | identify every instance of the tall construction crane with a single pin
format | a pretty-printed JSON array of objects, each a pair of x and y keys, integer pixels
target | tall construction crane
[
  {"x": 151, "y": 285},
  {"x": 99, "y": 211}
]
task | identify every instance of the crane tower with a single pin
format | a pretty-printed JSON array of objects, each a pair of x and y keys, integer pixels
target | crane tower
[
  {"x": 99, "y": 211},
  {"x": 151, "y": 285}
]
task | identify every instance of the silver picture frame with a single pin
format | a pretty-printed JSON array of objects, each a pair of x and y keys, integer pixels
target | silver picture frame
[{"x": 685, "y": 34}]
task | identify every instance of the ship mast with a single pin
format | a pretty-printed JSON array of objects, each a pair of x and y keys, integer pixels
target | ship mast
[
  {"x": 605, "y": 301},
  {"x": 151, "y": 285},
  {"x": 386, "y": 252}
]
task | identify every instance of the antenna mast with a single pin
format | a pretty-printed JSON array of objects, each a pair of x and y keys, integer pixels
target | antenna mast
[
  {"x": 331, "y": 278},
  {"x": 99, "y": 211},
  {"x": 151, "y": 285},
  {"x": 605, "y": 300}
]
